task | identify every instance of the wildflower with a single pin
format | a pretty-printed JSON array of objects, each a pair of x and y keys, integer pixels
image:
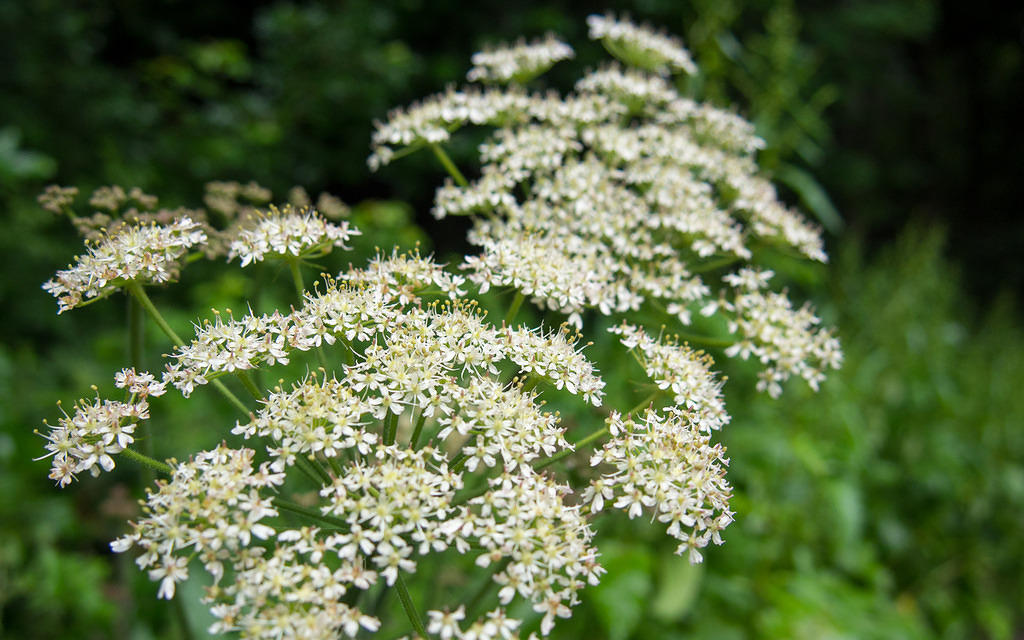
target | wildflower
[
  {"x": 787, "y": 341},
  {"x": 665, "y": 463},
  {"x": 288, "y": 232},
  {"x": 546, "y": 543},
  {"x": 88, "y": 439},
  {"x": 518, "y": 63},
  {"x": 682, "y": 371},
  {"x": 144, "y": 253},
  {"x": 641, "y": 46},
  {"x": 211, "y": 508},
  {"x": 314, "y": 418}
]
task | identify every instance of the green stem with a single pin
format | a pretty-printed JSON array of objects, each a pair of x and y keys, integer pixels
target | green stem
[
  {"x": 390, "y": 428},
  {"x": 516, "y": 303},
  {"x": 458, "y": 462},
  {"x": 300, "y": 289},
  {"x": 293, "y": 266},
  {"x": 315, "y": 469},
  {"x": 182, "y": 616},
  {"x": 714, "y": 264},
  {"x": 410, "y": 608},
  {"x": 136, "y": 335},
  {"x": 335, "y": 466},
  {"x": 705, "y": 340},
  {"x": 415, "y": 440},
  {"x": 449, "y": 166},
  {"x": 595, "y": 435},
  {"x": 146, "y": 461},
  {"x": 140, "y": 294},
  {"x": 298, "y": 509}
]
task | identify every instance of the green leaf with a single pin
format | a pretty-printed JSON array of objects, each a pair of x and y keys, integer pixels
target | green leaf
[
  {"x": 621, "y": 599},
  {"x": 813, "y": 196},
  {"x": 678, "y": 586}
]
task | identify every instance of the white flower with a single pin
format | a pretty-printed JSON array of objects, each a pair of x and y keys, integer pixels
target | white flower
[
  {"x": 144, "y": 253},
  {"x": 88, "y": 439},
  {"x": 665, "y": 463},
  {"x": 518, "y": 63},
  {"x": 287, "y": 231},
  {"x": 641, "y": 46}
]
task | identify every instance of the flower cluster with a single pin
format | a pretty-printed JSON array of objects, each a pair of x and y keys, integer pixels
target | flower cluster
[
  {"x": 397, "y": 503},
  {"x": 290, "y": 592},
  {"x": 787, "y": 341},
  {"x": 637, "y": 198},
  {"x": 87, "y": 440},
  {"x": 518, "y": 63},
  {"x": 143, "y": 253},
  {"x": 424, "y": 430},
  {"x": 685, "y": 373},
  {"x": 288, "y": 232},
  {"x": 210, "y": 508},
  {"x": 545, "y": 543},
  {"x": 641, "y": 46},
  {"x": 494, "y": 626},
  {"x": 315, "y": 418},
  {"x": 665, "y": 463}
]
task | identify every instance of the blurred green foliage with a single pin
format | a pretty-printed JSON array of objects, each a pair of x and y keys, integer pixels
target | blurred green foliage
[{"x": 887, "y": 505}]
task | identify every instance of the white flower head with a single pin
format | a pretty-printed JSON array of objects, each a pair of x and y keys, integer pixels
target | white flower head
[
  {"x": 641, "y": 46},
  {"x": 287, "y": 231},
  {"x": 142, "y": 253},
  {"x": 518, "y": 63}
]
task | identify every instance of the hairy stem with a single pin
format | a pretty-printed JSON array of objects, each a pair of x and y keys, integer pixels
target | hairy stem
[
  {"x": 136, "y": 335},
  {"x": 300, "y": 289},
  {"x": 249, "y": 385},
  {"x": 148, "y": 462},
  {"x": 418, "y": 430}
]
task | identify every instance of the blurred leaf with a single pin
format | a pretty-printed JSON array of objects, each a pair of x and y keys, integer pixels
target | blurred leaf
[
  {"x": 678, "y": 586},
  {"x": 813, "y": 196},
  {"x": 621, "y": 598}
]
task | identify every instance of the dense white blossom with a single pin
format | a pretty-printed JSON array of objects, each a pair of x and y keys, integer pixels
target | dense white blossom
[
  {"x": 684, "y": 373},
  {"x": 787, "y": 341},
  {"x": 210, "y": 508},
  {"x": 301, "y": 233},
  {"x": 519, "y": 62},
  {"x": 665, "y": 464},
  {"x": 544, "y": 542},
  {"x": 143, "y": 253},
  {"x": 89, "y": 439},
  {"x": 641, "y": 46}
]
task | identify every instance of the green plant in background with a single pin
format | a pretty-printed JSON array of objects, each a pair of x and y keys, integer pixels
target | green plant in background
[{"x": 420, "y": 430}]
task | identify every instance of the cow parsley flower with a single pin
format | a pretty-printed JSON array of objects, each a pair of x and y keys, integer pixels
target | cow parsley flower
[
  {"x": 545, "y": 542},
  {"x": 641, "y": 46},
  {"x": 787, "y": 340},
  {"x": 287, "y": 231},
  {"x": 210, "y": 508},
  {"x": 681, "y": 371},
  {"x": 89, "y": 438},
  {"x": 518, "y": 63},
  {"x": 143, "y": 253},
  {"x": 665, "y": 464}
]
